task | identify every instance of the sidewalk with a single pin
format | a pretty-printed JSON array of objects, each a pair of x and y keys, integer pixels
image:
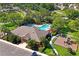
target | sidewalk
[{"x": 23, "y": 45}]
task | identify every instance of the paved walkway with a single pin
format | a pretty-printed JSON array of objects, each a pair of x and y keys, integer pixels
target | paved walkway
[
  {"x": 60, "y": 41},
  {"x": 53, "y": 46},
  {"x": 23, "y": 45}
]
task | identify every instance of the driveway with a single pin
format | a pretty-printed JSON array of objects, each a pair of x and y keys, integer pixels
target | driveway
[{"x": 23, "y": 45}]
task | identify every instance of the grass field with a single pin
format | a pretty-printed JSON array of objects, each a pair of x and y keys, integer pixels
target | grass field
[{"x": 62, "y": 51}]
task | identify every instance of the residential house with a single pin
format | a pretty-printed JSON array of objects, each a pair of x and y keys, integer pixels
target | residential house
[{"x": 26, "y": 33}]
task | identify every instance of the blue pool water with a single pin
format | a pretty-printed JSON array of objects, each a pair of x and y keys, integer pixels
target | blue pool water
[{"x": 44, "y": 27}]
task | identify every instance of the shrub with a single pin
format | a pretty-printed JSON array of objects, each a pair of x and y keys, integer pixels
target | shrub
[
  {"x": 33, "y": 44},
  {"x": 71, "y": 51}
]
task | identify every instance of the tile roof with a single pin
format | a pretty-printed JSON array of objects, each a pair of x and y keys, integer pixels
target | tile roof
[{"x": 32, "y": 32}]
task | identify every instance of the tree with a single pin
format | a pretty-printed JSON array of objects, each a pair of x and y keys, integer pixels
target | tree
[
  {"x": 47, "y": 6},
  {"x": 9, "y": 36},
  {"x": 58, "y": 23},
  {"x": 13, "y": 38},
  {"x": 71, "y": 51},
  {"x": 45, "y": 43},
  {"x": 5, "y": 29},
  {"x": 48, "y": 19},
  {"x": 37, "y": 20},
  {"x": 33, "y": 44},
  {"x": 74, "y": 25},
  {"x": 72, "y": 14}
]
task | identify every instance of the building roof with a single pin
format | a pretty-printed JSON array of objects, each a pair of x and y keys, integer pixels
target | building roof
[
  {"x": 9, "y": 49},
  {"x": 41, "y": 33},
  {"x": 31, "y": 32}
]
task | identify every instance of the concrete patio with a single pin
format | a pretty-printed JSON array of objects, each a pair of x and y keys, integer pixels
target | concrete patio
[
  {"x": 60, "y": 41},
  {"x": 23, "y": 45}
]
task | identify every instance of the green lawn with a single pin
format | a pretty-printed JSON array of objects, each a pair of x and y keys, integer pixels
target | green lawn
[
  {"x": 77, "y": 53},
  {"x": 62, "y": 51},
  {"x": 48, "y": 51}
]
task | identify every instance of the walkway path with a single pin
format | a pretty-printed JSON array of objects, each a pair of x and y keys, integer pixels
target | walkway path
[
  {"x": 23, "y": 45},
  {"x": 53, "y": 49}
]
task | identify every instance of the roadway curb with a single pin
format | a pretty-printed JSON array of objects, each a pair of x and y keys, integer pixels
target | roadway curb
[{"x": 23, "y": 48}]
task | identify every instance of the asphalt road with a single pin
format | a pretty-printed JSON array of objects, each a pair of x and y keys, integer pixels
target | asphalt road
[{"x": 10, "y": 50}]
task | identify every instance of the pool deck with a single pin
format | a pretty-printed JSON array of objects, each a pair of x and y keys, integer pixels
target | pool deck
[{"x": 43, "y": 27}]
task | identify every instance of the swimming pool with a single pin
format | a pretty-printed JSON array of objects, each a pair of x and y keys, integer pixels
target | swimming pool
[{"x": 44, "y": 27}]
